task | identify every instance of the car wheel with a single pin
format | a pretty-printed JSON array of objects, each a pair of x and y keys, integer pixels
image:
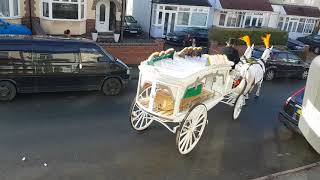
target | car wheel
[
  {"x": 304, "y": 74},
  {"x": 111, "y": 87},
  {"x": 269, "y": 75},
  {"x": 316, "y": 50},
  {"x": 7, "y": 91}
]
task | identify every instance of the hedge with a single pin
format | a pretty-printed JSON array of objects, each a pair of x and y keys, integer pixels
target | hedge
[{"x": 221, "y": 35}]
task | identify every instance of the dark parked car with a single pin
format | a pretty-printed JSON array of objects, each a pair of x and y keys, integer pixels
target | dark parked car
[
  {"x": 14, "y": 29},
  {"x": 313, "y": 41},
  {"x": 131, "y": 26},
  {"x": 291, "y": 112},
  {"x": 283, "y": 64},
  {"x": 180, "y": 37},
  {"x": 295, "y": 45},
  {"x": 35, "y": 64}
]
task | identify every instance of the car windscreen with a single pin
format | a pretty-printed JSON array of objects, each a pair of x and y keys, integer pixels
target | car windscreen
[{"x": 130, "y": 19}]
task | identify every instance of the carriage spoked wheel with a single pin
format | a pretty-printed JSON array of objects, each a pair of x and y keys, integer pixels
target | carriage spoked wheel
[
  {"x": 191, "y": 128},
  {"x": 240, "y": 101},
  {"x": 139, "y": 119}
]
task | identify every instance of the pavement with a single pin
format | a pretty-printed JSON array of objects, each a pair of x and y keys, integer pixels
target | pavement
[
  {"x": 309, "y": 172},
  {"x": 85, "y": 135}
]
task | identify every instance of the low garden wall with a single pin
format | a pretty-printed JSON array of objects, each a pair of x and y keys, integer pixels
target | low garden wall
[{"x": 133, "y": 53}]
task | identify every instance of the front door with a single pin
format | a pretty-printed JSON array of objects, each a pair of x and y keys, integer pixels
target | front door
[
  {"x": 169, "y": 22},
  {"x": 102, "y": 16}
]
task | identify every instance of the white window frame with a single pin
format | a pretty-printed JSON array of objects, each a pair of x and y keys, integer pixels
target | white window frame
[
  {"x": 79, "y": 3},
  {"x": 297, "y": 19},
  {"x": 11, "y": 9},
  {"x": 193, "y": 9}
]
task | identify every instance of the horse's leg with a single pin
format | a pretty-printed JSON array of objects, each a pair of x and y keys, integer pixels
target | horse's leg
[{"x": 259, "y": 88}]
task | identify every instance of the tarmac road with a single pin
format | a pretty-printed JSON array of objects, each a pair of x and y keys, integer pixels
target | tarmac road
[{"x": 87, "y": 136}]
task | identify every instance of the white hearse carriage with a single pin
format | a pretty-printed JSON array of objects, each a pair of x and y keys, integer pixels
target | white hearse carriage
[
  {"x": 309, "y": 123},
  {"x": 177, "y": 89}
]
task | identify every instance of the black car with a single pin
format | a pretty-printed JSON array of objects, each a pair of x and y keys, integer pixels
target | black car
[
  {"x": 291, "y": 112},
  {"x": 295, "y": 45},
  {"x": 131, "y": 26},
  {"x": 37, "y": 64},
  {"x": 181, "y": 37},
  {"x": 313, "y": 41},
  {"x": 283, "y": 64}
]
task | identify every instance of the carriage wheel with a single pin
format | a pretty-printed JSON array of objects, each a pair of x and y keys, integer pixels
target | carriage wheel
[
  {"x": 139, "y": 119},
  {"x": 191, "y": 128},
  {"x": 238, "y": 106}
]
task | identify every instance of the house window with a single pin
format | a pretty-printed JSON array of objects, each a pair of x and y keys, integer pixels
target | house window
[
  {"x": 232, "y": 20},
  {"x": 248, "y": 21},
  {"x": 222, "y": 19},
  {"x": 171, "y": 8},
  {"x": 280, "y": 24},
  {"x": 183, "y": 18},
  {"x": 45, "y": 9},
  {"x": 63, "y": 9},
  {"x": 9, "y": 8},
  {"x": 199, "y": 19},
  {"x": 309, "y": 27},
  {"x": 160, "y": 18}
]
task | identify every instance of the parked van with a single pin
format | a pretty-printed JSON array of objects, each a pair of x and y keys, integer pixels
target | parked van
[{"x": 37, "y": 64}]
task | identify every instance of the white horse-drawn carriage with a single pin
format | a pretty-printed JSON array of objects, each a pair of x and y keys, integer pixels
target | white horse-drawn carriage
[{"x": 176, "y": 89}]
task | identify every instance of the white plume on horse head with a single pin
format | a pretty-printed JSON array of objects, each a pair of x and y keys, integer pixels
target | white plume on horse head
[
  {"x": 266, "y": 54},
  {"x": 248, "y": 53}
]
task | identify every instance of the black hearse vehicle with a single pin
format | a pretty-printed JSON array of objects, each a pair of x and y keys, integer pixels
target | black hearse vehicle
[{"x": 38, "y": 64}]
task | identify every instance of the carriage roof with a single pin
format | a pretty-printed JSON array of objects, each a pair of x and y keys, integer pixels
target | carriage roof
[{"x": 181, "y": 70}]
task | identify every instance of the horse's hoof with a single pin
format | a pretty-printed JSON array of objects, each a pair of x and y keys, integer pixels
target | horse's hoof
[{"x": 256, "y": 97}]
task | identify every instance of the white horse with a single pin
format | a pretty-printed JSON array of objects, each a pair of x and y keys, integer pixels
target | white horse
[{"x": 253, "y": 74}]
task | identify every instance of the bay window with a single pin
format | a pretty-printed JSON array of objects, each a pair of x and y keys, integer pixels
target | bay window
[
  {"x": 63, "y": 9},
  {"x": 9, "y": 8},
  {"x": 297, "y": 24},
  {"x": 231, "y": 19}
]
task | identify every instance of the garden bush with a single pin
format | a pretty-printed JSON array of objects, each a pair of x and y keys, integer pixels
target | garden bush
[{"x": 221, "y": 35}]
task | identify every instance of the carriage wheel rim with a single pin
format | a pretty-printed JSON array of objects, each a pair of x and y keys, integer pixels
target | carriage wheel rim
[
  {"x": 238, "y": 107},
  {"x": 140, "y": 120},
  {"x": 192, "y": 129}
]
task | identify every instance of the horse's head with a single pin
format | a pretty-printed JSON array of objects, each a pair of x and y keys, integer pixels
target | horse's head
[
  {"x": 249, "y": 50},
  {"x": 267, "y": 53}
]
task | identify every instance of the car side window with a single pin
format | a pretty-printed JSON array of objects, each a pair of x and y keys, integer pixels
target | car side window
[
  {"x": 15, "y": 56},
  {"x": 293, "y": 58},
  {"x": 55, "y": 57},
  {"x": 282, "y": 57},
  {"x": 91, "y": 55}
]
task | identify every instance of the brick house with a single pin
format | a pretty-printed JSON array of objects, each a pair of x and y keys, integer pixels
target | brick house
[{"x": 55, "y": 16}]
